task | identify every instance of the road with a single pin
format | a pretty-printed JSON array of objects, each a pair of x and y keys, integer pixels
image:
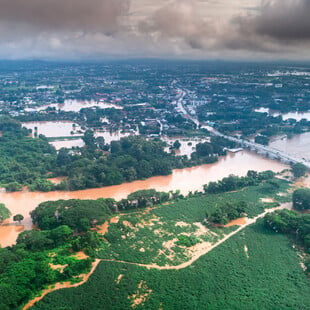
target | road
[
  {"x": 207, "y": 249},
  {"x": 266, "y": 150}
]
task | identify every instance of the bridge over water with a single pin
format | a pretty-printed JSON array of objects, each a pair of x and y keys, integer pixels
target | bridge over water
[
  {"x": 259, "y": 148},
  {"x": 265, "y": 150}
]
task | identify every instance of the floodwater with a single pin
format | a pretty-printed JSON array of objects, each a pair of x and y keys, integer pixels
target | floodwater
[
  {"x": 298, "y": 145},
  {"x": 188, "y": 146},
  {"x": 185, "y": 180},
  {"x": 69, "y": 143},
  {"x": 108, "y": 136},
  {"x": 53, "y": 129},
  {"x": 75, "y": 105},
  {"x": 285, "y": 116},
  {"x": 56, "y": 129}
]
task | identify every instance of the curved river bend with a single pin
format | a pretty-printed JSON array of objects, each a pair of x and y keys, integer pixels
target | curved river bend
[{"x": 188, "y": 179}]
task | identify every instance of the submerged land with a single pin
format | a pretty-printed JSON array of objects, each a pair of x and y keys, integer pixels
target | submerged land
[{"x": 154, "y": 185}]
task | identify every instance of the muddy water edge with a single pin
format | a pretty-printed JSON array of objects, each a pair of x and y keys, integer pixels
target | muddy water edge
[{"x": 185, "y": 180}]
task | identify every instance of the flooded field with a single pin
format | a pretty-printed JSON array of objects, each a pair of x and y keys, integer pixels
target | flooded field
[
  {"x": 285, "y": 116},
  {"x": 75, "y": 105},
  {"x": 53, "y": 129}
]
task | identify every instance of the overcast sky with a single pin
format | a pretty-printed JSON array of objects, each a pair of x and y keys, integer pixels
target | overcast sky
[{"x": 197, "y": 29}]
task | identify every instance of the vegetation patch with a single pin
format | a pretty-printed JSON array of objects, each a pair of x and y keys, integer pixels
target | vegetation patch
[{"x": 270, "y": 277}]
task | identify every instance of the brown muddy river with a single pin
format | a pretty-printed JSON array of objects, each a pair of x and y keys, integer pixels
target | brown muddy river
[{"x": 188, "y": 179}]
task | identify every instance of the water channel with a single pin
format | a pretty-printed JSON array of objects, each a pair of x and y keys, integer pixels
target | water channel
[{"x": 185, "y": 180}]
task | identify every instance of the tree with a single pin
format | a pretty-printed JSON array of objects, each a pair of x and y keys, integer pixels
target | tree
[
  {"x": 176, "y": 144},
  {"x": 252, "y": 174},
  {"x": 299, "y": 170},
  {"x": 63, "y": 157},
  {"x": 18, "y": 218},
  {"x": 301, "y": 199},
  {"x": 262, "y": 140},
  {"x": 204, "y": 149},
  {"x": 4, "y": 212},
  {"x": 89, "y": 139},
  {"x": 13, "y": 187},
  {"x": 100, "y": 143},
  {"x": 34, "y": 240}
]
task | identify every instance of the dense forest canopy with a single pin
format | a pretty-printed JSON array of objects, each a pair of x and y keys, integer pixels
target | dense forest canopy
[
  {"x": 301, "y": 199},
  {"x": 80, "y": 215},
  {"x": 291, "y": 223}
]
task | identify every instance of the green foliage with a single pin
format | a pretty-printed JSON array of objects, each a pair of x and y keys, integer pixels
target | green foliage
[
  {"x": 78, "y": 214},
  {"x": 23, "y": 159},
  {"x": 34, "y": 240},
  {"x": 18, "y": 218},
  {"x": 142, "y": 199},
  {"x": 233, "y": 182},
  {"x": 290, "y": 222},
  {"x": 262, "y": 140},
  {"x": 130, "y": 158},
  {"x": 42, "y": 185},
  {"x": 301, "y": 199},
  {"x": 187, "y": 241},
  {"x": 176, "y": 144},
  {"x": 25, "y": 267},
  {"x": 226, "y": 278},
  {"x": 4, "y": 212},
  {"x": 13, "y": 187},
  {"x": 134, "y": 241},
  {"x": 207, "y": 152},
  {"x": 299, "y": 170},
  {"x": 227, "y": 212}
]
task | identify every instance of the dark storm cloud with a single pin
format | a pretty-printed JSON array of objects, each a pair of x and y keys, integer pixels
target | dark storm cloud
[
  {"x": 63, "y": 15},
  {"x": 283, "y": 20},
  {"x": 266, "y": 29},
  {"x": 178, "y": 20}
]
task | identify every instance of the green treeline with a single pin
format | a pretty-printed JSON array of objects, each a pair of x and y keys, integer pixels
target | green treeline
[
  {"x": 226, "y": 213},
  {"x": 4, "y": 212},
  {"x": 25, "y": 267},
  {"x": 22, "y": 159},
  {"x": 28, "y": 161},
  {"x": 142, "y": 199},
  {"x": 65, "y": 228},
  {"x": 80, "y": 215},
  {"x": 291, "y": 223},
  {"x": 301, "y": 199},
  {"x": 233, "y": 182}
]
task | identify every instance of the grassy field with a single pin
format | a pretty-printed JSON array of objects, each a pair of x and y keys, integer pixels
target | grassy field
[
  {"x": 255, "y": 269},
  {"x": 152, "y": 236}
]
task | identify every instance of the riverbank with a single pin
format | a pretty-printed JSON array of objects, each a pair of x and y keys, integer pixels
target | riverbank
[{"x": 185, "y": 180}]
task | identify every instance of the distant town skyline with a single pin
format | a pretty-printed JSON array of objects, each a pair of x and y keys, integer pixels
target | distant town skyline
[{"x": 189, "y": 29}]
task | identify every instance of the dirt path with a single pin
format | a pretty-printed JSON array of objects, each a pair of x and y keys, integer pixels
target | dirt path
[
  {"x": 206, "y": 249},
  {"x": 61, "y": 285}
]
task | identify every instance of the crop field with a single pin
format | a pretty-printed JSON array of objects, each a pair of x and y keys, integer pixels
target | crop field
[
  {"x": 152, "y": 236},
  {"x": 255, "y": 269}
]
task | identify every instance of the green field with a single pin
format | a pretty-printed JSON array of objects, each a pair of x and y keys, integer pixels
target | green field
[
  {"x": 152, "y": 236},
  {"x": 266, "y": 276}
]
